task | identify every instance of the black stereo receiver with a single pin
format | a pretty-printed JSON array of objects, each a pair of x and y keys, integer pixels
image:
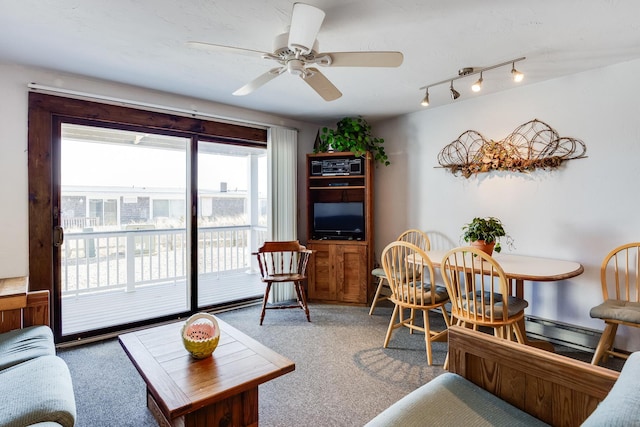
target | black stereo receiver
[{"x": 336, "y": 167}]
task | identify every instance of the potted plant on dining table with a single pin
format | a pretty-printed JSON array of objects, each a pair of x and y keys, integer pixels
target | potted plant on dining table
[{"x": 485, "y": 234}]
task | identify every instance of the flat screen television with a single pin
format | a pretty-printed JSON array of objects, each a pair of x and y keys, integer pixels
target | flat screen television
[{"x": 338, "y": 220}]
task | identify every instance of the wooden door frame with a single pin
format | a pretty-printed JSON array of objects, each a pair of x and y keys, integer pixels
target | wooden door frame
[{"x": 45, "y": 114}]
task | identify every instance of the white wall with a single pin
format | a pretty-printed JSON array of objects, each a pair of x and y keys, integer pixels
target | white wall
[
  {"x": 579, "y": 212},
  {"x": 14, "y": 244}
]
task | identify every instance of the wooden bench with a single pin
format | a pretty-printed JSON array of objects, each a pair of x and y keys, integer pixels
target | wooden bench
[
  {"x": 553, "y": 388},
  {"x": 495, "y": 381}
]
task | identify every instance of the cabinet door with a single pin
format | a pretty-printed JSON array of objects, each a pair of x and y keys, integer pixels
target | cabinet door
[
  {"x": 351, "y": 273},
  {"x": 321, "y": 273}
]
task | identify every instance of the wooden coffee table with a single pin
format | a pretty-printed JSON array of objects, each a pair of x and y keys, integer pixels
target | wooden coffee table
[{"x": 219, "y": 390}]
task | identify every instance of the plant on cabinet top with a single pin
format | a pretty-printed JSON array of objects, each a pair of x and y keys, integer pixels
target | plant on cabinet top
[{"x": 352, "y": 134}]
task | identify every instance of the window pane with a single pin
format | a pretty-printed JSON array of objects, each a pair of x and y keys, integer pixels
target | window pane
[
  {"x": 119, "y": 263},
  {"x": 229, "y": 226}
]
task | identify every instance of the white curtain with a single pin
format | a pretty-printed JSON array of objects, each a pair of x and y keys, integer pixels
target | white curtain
[{"x": 282, "y": 159}]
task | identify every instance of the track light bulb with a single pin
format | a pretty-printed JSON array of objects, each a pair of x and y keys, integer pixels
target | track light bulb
[
  {"x": 517, "y": 75},
  {"x": 454, "y": 93},
  {"x": 477, "y": 86},
  {"x": 425, "y": 100}
]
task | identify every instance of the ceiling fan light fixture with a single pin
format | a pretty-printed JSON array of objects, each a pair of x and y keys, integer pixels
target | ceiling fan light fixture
[
  {"x": 425, "y": 100},
  {"x": 515, "y": 74},
  {"x": 296, "y": 67},
  {"x": 305, "y": 25},
  {"x": 477, "y": 86}
]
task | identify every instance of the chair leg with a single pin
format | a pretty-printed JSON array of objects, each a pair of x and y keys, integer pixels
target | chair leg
[
  {"x": 447, "y": 321},
  {"x": 376, "y": 297},
  {"x": 387, "y": 338},
  {"x": 508, "y": 332},
  {"x": 264, "y": 302},
  {"x": 427, "y": 335},
  {"x": 498, "y": 332},
  {"x": 411, "y": 320},
  {"x": 520, "y": 336},
  {"x": 446, "y": 360},
  {"x": 605, "y": 344},
  {"x": 302, "y": 299}
]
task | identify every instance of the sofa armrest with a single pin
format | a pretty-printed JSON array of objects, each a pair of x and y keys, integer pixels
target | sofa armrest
[{"x": 553, "y": 388}]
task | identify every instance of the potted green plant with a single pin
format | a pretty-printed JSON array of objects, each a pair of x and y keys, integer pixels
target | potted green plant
[
  {"x": 352, "y": 134},
  {"x": 485, "y": 233}
]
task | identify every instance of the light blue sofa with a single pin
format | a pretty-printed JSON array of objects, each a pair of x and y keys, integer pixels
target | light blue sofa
[
  {"x": 494, "y": 382},
  {"x": 35, "y": 384}
]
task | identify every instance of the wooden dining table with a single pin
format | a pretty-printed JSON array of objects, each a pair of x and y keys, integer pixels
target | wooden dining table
[{"x": 521, "y": 268}]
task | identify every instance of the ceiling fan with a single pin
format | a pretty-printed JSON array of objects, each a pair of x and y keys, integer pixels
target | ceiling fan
[{"x": 297, "y": 51}]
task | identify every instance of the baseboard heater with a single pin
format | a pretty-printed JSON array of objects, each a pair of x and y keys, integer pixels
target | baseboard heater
[{"x": 559, "y": 333}]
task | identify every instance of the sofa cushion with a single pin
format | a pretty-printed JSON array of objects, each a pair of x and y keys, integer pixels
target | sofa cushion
[
  {"x": 621, "y": 407},
  {"x": 20, "y": 345},
  {"x": 36, "y": 391},
  {"x": 449, "y": 399}
]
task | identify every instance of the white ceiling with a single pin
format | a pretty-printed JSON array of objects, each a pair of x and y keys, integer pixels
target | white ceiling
[{"x": 143, "y": 43}]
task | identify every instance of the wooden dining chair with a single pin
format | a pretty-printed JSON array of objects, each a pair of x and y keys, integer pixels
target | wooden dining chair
[
  {"x": 620, "y": 281},
  {"x": 413, "y": 236},
  {"x": 411, "y": 288},
  {"x": 284, "y": 262},
  {"x": 480, "y": 293}
]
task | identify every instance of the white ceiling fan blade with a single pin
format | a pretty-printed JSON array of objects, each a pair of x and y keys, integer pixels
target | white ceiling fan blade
[
  {"x": 259, "y": 81},
  {"x": 305, "y": 25},
  {"x": 363, "y": 59},
  {"x": 321, "y": 84},
  {"x": 211, "y": 47}
]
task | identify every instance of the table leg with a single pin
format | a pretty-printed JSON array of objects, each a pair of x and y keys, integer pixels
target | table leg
[
  {"x": 519, "y": 288},
  {"x": 519, "y": 293},
  {"x": 237, "y": 410}
]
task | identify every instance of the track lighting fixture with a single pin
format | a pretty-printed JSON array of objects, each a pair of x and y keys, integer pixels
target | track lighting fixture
[
  {"x": 425, "y": 100},
  {"x": 517, "y": 75},
  {"x": 469, "y": 71},
  {"x": 477, "y": 86},
  {"x": 454, "y": 93}
]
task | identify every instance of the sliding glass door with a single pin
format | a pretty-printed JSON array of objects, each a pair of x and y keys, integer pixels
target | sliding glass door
[
  {"x": 119, "y": 232},
  {"x": 232, "y": 224},
  {"x": 124, "y": 256}
]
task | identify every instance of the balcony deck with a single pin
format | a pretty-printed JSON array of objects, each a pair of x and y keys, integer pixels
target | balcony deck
[
  {"x": 113, "y": 278},
  {"x": 96, "y": 310}
]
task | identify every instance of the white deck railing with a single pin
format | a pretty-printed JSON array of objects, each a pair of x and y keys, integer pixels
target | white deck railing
[{"x": 109, "y": 260}]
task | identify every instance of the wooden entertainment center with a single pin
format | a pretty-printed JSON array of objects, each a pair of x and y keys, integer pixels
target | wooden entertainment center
[{"x": 340, "y": 268}]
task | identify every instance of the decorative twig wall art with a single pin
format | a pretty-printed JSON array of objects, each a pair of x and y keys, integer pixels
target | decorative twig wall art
[{"x": 533, "y": 145}]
